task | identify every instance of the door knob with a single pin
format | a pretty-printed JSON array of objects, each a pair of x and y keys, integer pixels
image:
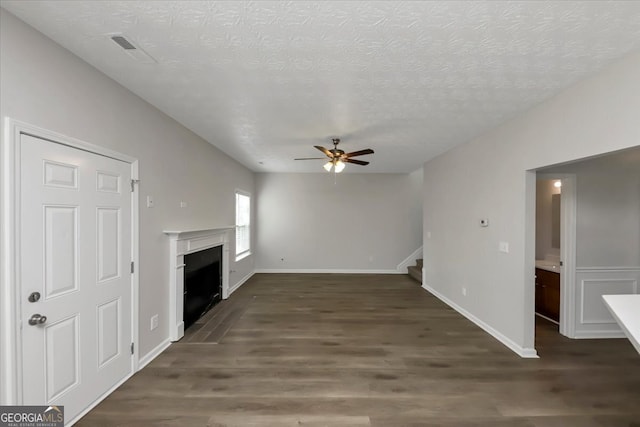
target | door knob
[
  {"x": 35, "y": 296},
  {"x": 37, "y": 319}
]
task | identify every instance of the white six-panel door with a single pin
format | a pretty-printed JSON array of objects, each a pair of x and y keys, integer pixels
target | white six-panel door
[{"x": 75, "y": 252}]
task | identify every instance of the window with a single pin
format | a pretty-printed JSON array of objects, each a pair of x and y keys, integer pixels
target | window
[{"x": 243, "y": 225}]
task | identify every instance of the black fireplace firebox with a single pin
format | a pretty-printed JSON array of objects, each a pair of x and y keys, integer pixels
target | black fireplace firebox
[{"x": 202, "y": 283}]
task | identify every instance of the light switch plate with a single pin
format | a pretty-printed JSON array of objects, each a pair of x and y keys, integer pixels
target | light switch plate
[{"x": 504, "y": 247}]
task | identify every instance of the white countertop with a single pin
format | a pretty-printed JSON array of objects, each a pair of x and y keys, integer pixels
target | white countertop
[
  {"x": 548, "y": 265},
  {"x": 626, "y": 310}
]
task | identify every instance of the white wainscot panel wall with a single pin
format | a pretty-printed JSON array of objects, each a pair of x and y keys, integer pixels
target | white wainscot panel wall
[{"x": 593, "y": 319}]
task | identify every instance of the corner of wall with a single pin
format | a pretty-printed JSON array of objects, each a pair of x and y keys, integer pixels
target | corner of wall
[
  {"x": 241, "y": 282},
  {"x": 410, "y": 260},
  {"x": 524, "y": 352}
]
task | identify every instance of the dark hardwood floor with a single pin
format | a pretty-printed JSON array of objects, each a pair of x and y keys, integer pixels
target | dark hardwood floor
[{"x": 369, "y": 350}]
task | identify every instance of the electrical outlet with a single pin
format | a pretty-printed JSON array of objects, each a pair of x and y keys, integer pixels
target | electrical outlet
[
  {"x": 150, "y": 201},
  {"x": 503, "y": 247},
  {"x": 464, "y": 292},
  {"x": 428, "y": 234},
  {"x": 154, "y": 322}
]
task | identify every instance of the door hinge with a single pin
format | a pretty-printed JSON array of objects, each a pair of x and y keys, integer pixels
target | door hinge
[
  {"x": 132, "y": 267},
  {"x": 133, "y": 184},
  {"x": 132, "y": 347}
]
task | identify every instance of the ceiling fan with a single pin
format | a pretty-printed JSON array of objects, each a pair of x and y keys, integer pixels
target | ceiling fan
[{"x": 338, "y": 158}]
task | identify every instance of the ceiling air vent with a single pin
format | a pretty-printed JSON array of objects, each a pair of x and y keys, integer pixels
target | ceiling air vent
[
  {"x": 124, "y": 43},
  {"x": 131, "y": 49}
]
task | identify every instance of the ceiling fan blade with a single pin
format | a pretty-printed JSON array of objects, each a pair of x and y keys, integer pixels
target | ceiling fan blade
[
  {"x": 325, "y": 151},
  {"x": 359, "y": 153},
  {"x": 357, "y": 162},
  {"x": 311, "y": 158}
]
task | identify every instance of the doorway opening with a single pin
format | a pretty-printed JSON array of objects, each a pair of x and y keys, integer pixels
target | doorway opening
[
  {"x": 547, "y": 260},
  {"x": 599, "y": 241},
  {"x": 71, "y": 210},
  {"x": 555, "y": 249}
]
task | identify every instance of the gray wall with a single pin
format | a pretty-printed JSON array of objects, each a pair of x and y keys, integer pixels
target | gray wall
[
  {"x": 607, "y": 225},
  {"x": 45, "y": 85},
  {"x": 607, "y": 209},
  {"x": 361, "y": 222},
  {"x": 488, "y": 178}
]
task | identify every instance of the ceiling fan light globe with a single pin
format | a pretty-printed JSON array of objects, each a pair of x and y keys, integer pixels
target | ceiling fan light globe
[
  {"x": 339, "y": 166},
  {"x": 327, "y": 166}
]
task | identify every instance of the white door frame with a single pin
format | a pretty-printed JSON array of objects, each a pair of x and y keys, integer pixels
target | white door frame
[
  {"x": 10, "y": 289},
  {"x": 568, "y": 203}
]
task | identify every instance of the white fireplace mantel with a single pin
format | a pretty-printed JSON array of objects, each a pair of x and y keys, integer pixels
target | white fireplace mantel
[{"x": 184, "y": 242}]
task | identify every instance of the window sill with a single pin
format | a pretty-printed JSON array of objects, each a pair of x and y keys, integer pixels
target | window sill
[{"x": 242, "y": 256}]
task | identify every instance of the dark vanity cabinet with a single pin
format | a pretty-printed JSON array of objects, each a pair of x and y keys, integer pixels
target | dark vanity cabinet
[{"x": 548, "y": 294}]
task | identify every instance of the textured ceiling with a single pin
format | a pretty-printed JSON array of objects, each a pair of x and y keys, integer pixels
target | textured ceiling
[{"x": 264, "y": 81}]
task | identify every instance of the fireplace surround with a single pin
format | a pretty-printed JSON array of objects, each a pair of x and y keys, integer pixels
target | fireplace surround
[{"x": 184, "y": 242}]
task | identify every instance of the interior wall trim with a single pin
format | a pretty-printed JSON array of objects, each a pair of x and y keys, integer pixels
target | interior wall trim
[
  {"x": 327, "y": 271},
  {"x": 148, "y": 358},
  {"x": 96, "y": 402},
  {"x": 410, "y": 260},
  {"x": 590, "y": 335},
  {"x": 607, "y": 269},
  {"x": 241, "y": 282},
  {"x": 184, "y": 242},
  {"x": 592, "y": 317},
  {"x": 10, "y": 285},
  {"x": 528, "y": 353}
]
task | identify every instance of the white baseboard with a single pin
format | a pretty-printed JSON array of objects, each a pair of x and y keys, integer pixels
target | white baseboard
[
  {"x": 410, "y": 260},
  {"x": 520, "y": 351},
  {"x": 583, "y": 335},
  {"x": 241, "y": 282},
  {"x": 327, "y": 271},
  {"x": 144, "y": 361},
  {"x": 97, "y": 401},
  {"x": 548, "y": 319}
]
